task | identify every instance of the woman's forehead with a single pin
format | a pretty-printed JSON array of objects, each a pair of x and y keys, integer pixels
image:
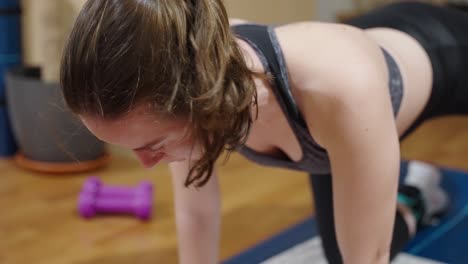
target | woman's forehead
[{"x": 133, "y": 129}]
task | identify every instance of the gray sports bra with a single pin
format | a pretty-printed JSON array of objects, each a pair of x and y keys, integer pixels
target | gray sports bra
[{"x": 315, "y": 159}]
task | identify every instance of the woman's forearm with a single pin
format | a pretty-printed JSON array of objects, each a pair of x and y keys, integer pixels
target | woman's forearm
[
  {"x": 198, "y": 236},
  {"x": 198, "y": 218}
]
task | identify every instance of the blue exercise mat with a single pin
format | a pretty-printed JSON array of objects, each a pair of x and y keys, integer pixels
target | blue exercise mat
[{"x": 447, "y": 242}]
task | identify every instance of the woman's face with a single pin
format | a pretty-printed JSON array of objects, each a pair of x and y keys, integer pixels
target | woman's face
[{"x": 152, "y": 138}]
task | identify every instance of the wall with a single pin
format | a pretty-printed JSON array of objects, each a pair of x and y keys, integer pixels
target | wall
[
  {"x": 45, "y": 26},
  {"x": 271, "y": 11},
  {"x": 327, "y": 9}
]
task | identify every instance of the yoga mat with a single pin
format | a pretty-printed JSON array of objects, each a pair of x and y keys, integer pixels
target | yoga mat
[{"x": 445, "y": 243}]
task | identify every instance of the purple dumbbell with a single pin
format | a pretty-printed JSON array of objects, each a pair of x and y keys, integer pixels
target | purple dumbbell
[
  {"x": 94, "y": 185},
  {"x": 90, "y": 204}
]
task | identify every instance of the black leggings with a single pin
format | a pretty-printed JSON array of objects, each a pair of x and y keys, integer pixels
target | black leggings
[{"x": 443, "y": 32}]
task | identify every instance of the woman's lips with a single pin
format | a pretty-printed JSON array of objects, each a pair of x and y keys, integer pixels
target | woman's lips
[{"x": 158, "y": 158}]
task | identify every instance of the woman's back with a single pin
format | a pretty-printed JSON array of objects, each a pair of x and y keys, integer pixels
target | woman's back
[{"x": 319, "y": 38}]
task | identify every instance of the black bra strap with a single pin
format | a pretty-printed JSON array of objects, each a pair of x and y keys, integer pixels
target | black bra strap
[{"x": 259, "y": 35}]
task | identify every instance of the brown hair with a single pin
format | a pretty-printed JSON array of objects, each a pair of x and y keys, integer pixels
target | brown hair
[{"x": 179, "y": 56}]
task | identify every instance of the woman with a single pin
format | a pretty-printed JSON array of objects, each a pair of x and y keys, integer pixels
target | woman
[{"x": 172, "y": 81}]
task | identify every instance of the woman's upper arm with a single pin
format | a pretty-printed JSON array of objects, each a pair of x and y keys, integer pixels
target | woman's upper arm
[
  {"x": 191, "y": 199},
  {"x": 350, "y": 114},
  {"x": 340, "y": 74}
]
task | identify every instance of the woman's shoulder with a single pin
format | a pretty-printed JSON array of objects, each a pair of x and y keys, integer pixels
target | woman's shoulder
[
  {"x": 328, "y": 56},
  {"x": 328, "y": 59},
  {"x": 331, "y": 67}
]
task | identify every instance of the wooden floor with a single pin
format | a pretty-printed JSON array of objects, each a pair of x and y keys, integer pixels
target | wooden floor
[{"x": 39, "y": 223}]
